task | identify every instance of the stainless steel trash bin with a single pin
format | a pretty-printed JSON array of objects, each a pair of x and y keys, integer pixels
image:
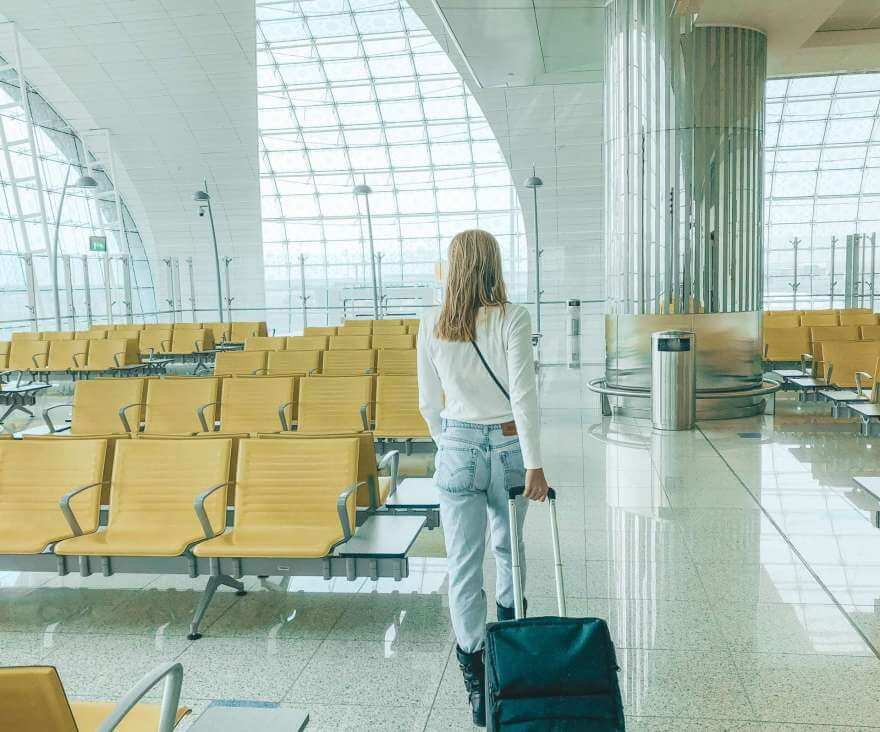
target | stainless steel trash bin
[
  {"x": 574, "y": 334},
  {"x": 673, "y": 380}
]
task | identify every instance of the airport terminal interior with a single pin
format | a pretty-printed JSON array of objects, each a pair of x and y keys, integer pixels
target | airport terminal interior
[{"x": 221, "y": 225}]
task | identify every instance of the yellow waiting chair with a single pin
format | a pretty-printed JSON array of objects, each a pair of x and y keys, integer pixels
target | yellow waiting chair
[
  {"x": 307, "y": 343},
  {"x": 293, "y": 498},
  {"x": 373, "y": 488},
  {"x": 191, "y": 340},
  {"x": 64, "y": 355},
  {"x": 349, "y": 363},
  {"x": 350, "y": 343},
  {"x": 155, "y": 341},
  {"x": 154, "y": 487},
  {"x": 254, "y": 404},
  {"x": 265, "y": 343},
  {"x": 392, "y": 361},
  {"x": 172, "y": 404},
  {"x": 398, "y": 342},
  {"x": 334, "y": 404},
  {"x": 50, "y": 490},
  {"x": 324, "y": 330},
  {"x": 397, "y": 409},
  {"x": 239, "y": 363},
  {"x": 32, "y": 699},
  {"x": 294, "y": 362}
]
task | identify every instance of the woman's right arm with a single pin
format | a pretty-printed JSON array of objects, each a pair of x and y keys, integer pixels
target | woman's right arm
[{"x": 430, "y": 389}]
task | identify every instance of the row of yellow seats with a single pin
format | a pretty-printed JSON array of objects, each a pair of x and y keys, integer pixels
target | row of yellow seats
[
  {"x": 335, "y": 363},
  {"x": 245, "y": 404},
  {"x": 789, "y": 344},
  {"x": 331, "y": 342},
  {"x": 236, "y": 332},
  {"x": 809, "y": 318},
  {"x": 366, "y": 327},
  {"x": 168, "y": 498},
  {"x": 100, "y": 354}
]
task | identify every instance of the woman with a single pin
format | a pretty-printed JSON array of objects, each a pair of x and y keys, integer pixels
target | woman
[{"x": 477, "y": 353}]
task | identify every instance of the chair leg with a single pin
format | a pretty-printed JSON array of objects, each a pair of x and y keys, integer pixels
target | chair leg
[
  {"x": 15, "y": 407},
  {"x": 214, "y": 581}
]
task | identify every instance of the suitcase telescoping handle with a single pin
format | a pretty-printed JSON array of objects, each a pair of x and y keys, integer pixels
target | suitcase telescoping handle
[{"x": 512, "y": 493}]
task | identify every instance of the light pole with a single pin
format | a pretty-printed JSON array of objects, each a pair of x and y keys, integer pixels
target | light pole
[
  {"x": 534, "y": 182},
  {"x": 85, "y": 182},
  {"x": 364, "y": 190},
  {"x": 204, "y": 201}
]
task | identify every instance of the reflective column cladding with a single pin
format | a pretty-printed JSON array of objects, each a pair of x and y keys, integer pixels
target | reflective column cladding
[
  {"x": 684, "y": 196},
  {"x": 684, "y": 162}
]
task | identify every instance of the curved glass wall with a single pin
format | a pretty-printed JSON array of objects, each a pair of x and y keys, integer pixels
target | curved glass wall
[
  {"x": 359, "y": 90},
  {"x": 822, "y": 190},
  {"x": 60, "y": 156}
]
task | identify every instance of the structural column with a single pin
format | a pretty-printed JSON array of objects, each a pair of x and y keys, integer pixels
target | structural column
[
  {"x": 684, "y": 162},
  {"x": 684, "y": 139}
]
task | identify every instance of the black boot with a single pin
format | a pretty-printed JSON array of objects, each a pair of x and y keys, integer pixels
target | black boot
[
  {"x": 509, "y": 613},
  {"x": 471, "y": 665}
]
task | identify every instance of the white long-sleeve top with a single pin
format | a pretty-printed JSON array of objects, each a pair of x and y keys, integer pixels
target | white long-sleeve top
[{"x": 453, "y": 369}]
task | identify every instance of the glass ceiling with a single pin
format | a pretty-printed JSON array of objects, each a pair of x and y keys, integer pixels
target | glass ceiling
[
  {"x": 354, "y": 90},
  {"x": 60, "y": 154},
  {"x": 822, "y": 180}
]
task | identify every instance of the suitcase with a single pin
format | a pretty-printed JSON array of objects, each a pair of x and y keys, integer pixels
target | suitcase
[{"x": 551, "y": 673}]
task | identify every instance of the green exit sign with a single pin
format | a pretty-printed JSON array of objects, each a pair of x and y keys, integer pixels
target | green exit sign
[{"x": 97, "y": 243}]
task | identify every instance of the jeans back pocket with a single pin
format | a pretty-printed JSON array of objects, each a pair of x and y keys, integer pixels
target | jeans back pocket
[{"x": 456, "y": 467}]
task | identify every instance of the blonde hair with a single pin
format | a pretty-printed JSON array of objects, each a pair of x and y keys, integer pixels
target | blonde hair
[{"x": 475, "y": 280}]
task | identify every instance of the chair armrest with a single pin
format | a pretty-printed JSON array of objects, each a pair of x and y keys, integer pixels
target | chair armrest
[
  {"x": 369, "y": 372},
  {"x": 68, "y": 512},
  {"x": 165, "y": 346},
  {"x": 808, "y": 358},
  {"x": 365, "y": 420},
  {"x": 199, "y": 506},
  {"x": 48, "y": 421},
  {"x": 44, "y": 356},
  {"x": 312, "y": 372},
  {"x": 116, "y": 358},
  {"x": 391, "y": 459},
  {"x": 200, "y": 412},
  {"x": 285, "y": 427},
  {"x": 829, "y": 369},
  {"x": 258, "y": 372},
  {"x": 766, "y": 350},
  {"x": 197, "y": 348},
  {"x": 861, "y": 376},
  {"x": 342, "y": 509},
  {"x": 172, "y": 673},
  {"x": 126, "y": 426},
  {"x": 76, "y": 362}
]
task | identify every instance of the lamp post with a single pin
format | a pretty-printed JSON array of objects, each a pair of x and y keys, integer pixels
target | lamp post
[
  {"x": 85, "y": 182},
  {"x": 364, "y": 190},
  {"x": 204, "y": 200},
  {"x": 534, "y": 182}
]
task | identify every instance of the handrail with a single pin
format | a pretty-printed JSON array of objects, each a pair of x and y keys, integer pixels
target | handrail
[{"x": 598, "y": 386}]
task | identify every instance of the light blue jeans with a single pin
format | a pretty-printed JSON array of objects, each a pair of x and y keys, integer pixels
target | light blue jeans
[{"x": 475, "y": 466}]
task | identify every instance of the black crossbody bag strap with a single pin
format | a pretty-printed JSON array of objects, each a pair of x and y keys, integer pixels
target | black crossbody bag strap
[{"x": 491, "y": 373}]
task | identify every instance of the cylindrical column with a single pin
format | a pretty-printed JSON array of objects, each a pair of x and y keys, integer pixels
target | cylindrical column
[{"x": 684, "y": 162}]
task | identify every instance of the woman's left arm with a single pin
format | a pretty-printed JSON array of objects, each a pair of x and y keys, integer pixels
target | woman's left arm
[{"x": 523, "y": 390}]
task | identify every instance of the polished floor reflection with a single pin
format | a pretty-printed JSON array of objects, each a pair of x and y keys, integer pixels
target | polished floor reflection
[{"x": 738, "y": 566}]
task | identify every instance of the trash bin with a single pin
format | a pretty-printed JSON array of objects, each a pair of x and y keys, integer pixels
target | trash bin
[
  {"x": 574, "y": 334},
  {"x": 673, "y": 380}
]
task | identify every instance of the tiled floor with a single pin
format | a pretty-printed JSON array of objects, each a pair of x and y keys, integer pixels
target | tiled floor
[{"x": 737, "y": 565}]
